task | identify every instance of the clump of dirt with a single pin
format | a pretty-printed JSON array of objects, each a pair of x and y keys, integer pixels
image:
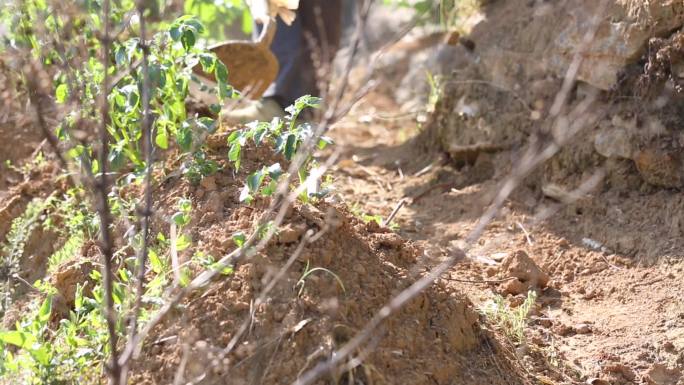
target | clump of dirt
[
  {"x": 527, "y": 275},
  {"x": 335, "y": 286}
]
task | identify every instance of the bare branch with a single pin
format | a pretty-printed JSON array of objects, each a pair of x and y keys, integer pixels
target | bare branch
[{"x": 146, "y": 213}]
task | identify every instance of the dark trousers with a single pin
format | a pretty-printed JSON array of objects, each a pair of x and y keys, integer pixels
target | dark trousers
[{"x": 310, "y": 43}]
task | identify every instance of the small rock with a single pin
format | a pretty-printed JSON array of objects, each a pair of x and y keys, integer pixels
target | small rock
[
  {"x": 660, "y": 168},
  {"x": 291, "y": 233},
  {"x": 669, "y": 346},
  {"x": 529, "y": 275},
  {"x": 659, "y": 374},
  {"x": 582, "y": 329},
  {"x": 613, "y": 143},
  {"x": 545, "y": 322},
  {"x": 360, "y": 269},
  {"x": 521, "y": 351},
  {"x": 512, "y": 286},
  {"x": 562, "y": 329},
  {"x": 517, "y": 301}
]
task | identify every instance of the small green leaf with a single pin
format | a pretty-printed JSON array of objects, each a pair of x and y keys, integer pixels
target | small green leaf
[
  {"x": 155, "y": 262},
  {"x": 175, "y": 32},
  {"x": 290, "y": 147},
  {"x": 275, "y": 171},
  {"x": 215, "y": 108},
  {"x": 41, "y": 354},
  {"x": 184, "y": 138},
  {"x": 121, "y": 57},
  {"x": 95, "y": 166},
  {"x": 324, "y": 142},
  {"x": 162, "y": 139},
  {"x": 239, "y": 238},
  {"x": 269, "y": 189},
  {"x": 254, "y": 180},
  {"x": 221, "y": 72},
  {"x": 234, "y": 154},
  {"x": 45, "y": 309},
  {"x": 184, "y": 277},
  {"x": 183, "y": 242},
  {"x": 17, "y": 338},
  {"x": 61, "y": 93},
  {"x": 208, "y": 124},
  {"x": 188, "y": 39},
  {"x": 185, "y": 205},
  {"x": 180, "y": 219},
  {"x": 208, "y": 62},
  {"x": 157, "y": 77},
  {"x": 233, "y": 136},
  {"x": 245, "y": 196}
]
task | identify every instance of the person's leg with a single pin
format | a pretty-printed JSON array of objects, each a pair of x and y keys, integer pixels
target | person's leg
[{"x": 288, "y": 46}]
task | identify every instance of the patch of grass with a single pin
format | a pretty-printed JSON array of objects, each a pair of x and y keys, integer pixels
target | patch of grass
[
  {"x": 511, "y": 321},
  {"x": 67, "y": 252},
  {"x": 12, "y": 250}
]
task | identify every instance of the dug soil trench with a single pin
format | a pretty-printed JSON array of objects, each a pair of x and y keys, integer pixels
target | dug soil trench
[{"x": 596, "y": 230}]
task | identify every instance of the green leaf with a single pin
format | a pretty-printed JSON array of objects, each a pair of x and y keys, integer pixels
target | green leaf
[
  {"x": 184, "y": 138},
  {"x": 234, "y": 154},
  {"x": 185, "y": 205},
  {"x": 175, "y": 32},
  {"x": 45, "y": 309},
  {"x": 155, "y": 262},
  {"x": 221, "y": 72},
  {"x": 41, "y": 355},
  {"x": 162, "y": 139},
  {"x": 239, "y": 238},
  {"x": 254, "y": 180},
  {"x": 225, "y": 90},
  {"x": 245, "y": 196},
  {"x": 121, "y": 56},
  {"x": 183, "y": 242},
  {"x": 117, "y": 158},
  {"x": 290, "y": 147},
  {"x": 208, "y": 124},
  {"x": 157, "y": 77},
  {"x": 61, "y": 93},
  {"x": 215, "y": 108},
  {"x": 324, "y": 142},
  {"x": 233, "y": 136},
  {"x": 194, "y": 24},
  {"x": 180, "y": 219},
  {"x": 184, "y": 277},
  {"x": 269, "y": 189},
  {"x": 275, "y": 171},
  {"x": 208, "y": 62},
  {"x": 17, "y": 338},
  {"x": 188, "y": 39}
]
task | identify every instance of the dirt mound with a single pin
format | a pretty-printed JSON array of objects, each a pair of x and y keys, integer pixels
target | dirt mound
[{"x": 331, "y": 291}]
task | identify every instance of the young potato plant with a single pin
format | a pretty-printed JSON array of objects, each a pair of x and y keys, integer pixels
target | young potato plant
[{"x": 285, "y": 136}]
